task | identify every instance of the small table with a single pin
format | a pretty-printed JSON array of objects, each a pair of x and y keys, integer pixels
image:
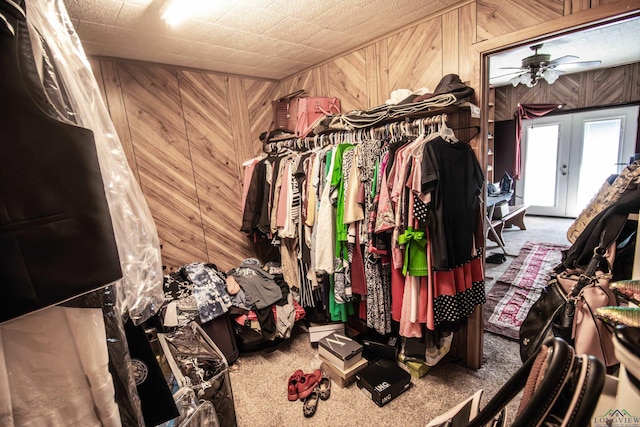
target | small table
[{"x": 492, "y": 201}]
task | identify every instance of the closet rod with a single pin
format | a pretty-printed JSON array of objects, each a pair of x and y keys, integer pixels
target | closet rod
[{"x": 328, "y": 138}]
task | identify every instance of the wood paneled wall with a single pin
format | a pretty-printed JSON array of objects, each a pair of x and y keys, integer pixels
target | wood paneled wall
[
  {"x": 608, "y": 86},
  {"x": 186, "y": 133}
]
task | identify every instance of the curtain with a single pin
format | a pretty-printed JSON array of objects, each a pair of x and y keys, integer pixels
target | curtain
[{"x": 527, "y": 111}]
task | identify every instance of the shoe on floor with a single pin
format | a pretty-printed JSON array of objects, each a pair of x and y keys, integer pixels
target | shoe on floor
[
  {"x": 306, "y": 384},
  {"x": 292, "y": 386},
  {"x": 324, "y": 387},
  {"x": 317, "y": 373},
  {"x": 496, "y": 259},
  {"x": 311, "y": 403}
]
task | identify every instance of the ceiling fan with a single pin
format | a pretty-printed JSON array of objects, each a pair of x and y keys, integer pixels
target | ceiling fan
[{"x": 540, "y": 66}]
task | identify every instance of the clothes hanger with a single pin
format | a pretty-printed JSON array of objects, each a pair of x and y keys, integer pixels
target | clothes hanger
[
  {"x": 6, "y": 28},
  {"x": 476, "y": 128},
  {"x": 13, "y": 9},
  {"x": 446, "y": 132}
]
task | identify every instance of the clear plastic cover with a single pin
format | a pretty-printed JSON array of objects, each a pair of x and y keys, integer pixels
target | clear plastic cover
[
  {"x": 73, "y": 90},
  {"x": 193, "y": 411},
  {"x": 196, "y": 362}
]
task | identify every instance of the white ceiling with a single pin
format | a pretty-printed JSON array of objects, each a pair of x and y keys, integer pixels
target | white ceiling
[
  {"x": 275, "y": 39},
  {"x": 614, "y": 44},
  {"x": 270, "y": 39}
]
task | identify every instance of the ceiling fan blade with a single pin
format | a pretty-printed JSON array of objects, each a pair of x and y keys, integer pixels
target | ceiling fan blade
[
  {"x": 582, "y": 64},
  {"x": 561, "y": 60},
  {"x": 513, "y": 68},
  {"x": 517, "y": 73}
]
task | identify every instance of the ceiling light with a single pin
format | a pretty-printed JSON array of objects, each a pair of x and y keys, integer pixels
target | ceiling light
[
  {"x": 174, "y": 12},
  {"x": 532, "y": 78}
]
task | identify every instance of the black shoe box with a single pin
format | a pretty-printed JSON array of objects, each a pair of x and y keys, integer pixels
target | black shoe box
[
  {"x": 383, "y": 381},
  {"x": 375, "y": 346}
]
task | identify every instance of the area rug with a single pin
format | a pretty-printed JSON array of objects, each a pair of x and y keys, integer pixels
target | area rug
[{"x": 513, "y": 294}]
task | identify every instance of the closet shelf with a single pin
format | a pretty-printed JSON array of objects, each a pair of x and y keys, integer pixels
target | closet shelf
[{"x": 449, "y": 110}]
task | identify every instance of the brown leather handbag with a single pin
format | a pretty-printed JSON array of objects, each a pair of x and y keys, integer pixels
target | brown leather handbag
[{"x": 285, "y": 111}]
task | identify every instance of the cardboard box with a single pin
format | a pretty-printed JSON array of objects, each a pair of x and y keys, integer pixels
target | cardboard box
[
  {"x": 340, "y": 377},
  {"x": 316, "y": 331},
  {"x": 340, "y": 350},
  {"x": 383, "y": 381}
]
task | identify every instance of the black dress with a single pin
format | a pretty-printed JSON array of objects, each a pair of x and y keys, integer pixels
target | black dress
[
  {"x": 452, "y": 174},
  {"x": 56, "y": 235}
]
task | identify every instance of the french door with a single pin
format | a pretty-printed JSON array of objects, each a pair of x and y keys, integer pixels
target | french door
[{"x": 567, "y": 158}]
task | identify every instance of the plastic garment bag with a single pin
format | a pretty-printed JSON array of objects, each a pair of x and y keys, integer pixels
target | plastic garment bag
[{"x": 71, "y": 86}]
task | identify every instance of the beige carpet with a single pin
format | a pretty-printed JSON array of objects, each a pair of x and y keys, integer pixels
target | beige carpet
[{"x": 259, "y": 380}]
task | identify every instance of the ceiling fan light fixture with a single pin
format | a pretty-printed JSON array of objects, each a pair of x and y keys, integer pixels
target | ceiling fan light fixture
[{"x": 550, "y": 75}]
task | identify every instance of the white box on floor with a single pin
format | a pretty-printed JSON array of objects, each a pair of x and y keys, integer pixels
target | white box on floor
[
  {"x": 340, "y": 377},
  {"x": 316, "y": 331},
  {"x": 340, "y": 350}
]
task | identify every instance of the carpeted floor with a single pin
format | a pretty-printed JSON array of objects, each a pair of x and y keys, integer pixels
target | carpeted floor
[{"x": 259, "y": 380}]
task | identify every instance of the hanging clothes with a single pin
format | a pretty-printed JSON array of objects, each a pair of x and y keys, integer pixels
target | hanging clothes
[
  {"x": 453, "y": 176},
  {"x": 372, "y": 216}
]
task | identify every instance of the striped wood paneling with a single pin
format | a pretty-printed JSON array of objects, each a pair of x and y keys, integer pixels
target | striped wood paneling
[
  {"x": 321, "y": 81},
  {"x": 415, "y": 56},
  {"x": 259, "y": 94},
  {"x": 500, "y": 17},
  {"x": 607, "y": 87},
  {"x": 632, "y": 83},
  {"x": 377, "y": 71},
  {"x": 467, "y": 28},
  {"x": 304, "y": 81},
  {"x": 503, "y": 106},
  {"x": 579, "y": 90},
  {"x": 155, "y": 116},
  {"x": 214, "y": 156},
  {"x": 580, "y": 5},
  {"x": 348, "y": 80},
  {"x": 450, "y": 43},
  {"x": 97, "y": 72},
  {"x": 565, "y": 91},
  {"x": 240, "y": 125}
]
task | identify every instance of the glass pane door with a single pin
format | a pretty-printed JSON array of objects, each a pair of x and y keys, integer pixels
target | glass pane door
[
  {"x": 545, "y": 164},
  {"x": 602, "y": 143},
  {"x": 600, "y": 152}
]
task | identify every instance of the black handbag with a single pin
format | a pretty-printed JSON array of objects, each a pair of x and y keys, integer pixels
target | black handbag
[
  {"x": 558, "y": 388},
  {"x": 538, "y": 325},
  {"x": 553, "y": 313}
]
